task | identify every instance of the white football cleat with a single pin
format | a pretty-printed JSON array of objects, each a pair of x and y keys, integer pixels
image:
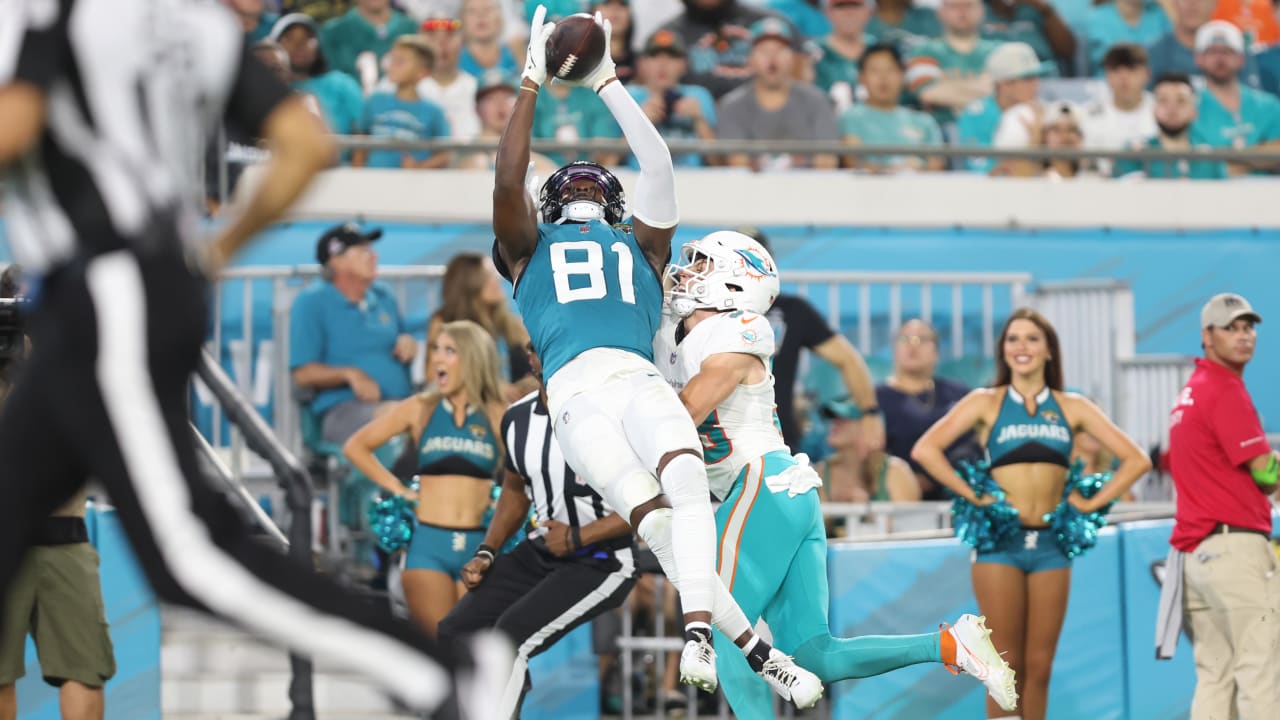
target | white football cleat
[
  {"x": 976, "y": 656},
  {"x": 698, "y": 665},
  {"x": 791, "y": 681}
]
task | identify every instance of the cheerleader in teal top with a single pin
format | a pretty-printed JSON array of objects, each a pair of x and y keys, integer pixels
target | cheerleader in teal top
[
  {"x": 455, "y": 429},
  {"x": 1027, "y": 423}
]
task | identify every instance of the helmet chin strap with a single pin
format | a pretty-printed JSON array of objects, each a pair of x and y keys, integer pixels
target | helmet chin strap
[
  {"x": 581, "y": 211},
  {"x": 683, "y": 307}
]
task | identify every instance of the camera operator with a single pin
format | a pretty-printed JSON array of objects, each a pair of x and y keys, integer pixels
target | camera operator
[{"x": 56, "y": 596}]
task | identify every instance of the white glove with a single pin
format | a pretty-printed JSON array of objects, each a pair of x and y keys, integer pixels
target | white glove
[
  {"x": 535, "y": 56},
  {"x": 795, "y": 480},
  {"x": 605, "y": 70}
]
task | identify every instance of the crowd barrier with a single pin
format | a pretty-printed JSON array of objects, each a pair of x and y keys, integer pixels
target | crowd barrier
[
  {"x": 1105, "y": 666},
  {"x": 250, "y": 326}
]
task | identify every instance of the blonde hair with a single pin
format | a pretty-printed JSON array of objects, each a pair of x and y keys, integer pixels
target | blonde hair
[{"x": 479, "y": 356}]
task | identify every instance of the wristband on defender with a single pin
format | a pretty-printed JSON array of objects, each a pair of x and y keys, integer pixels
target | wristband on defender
[
  {"x": 486, "y": 551},
  {"x": 1268, "y": 475}
]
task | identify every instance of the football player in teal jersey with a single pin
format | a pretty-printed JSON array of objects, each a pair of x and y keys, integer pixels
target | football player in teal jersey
[{"x": 589, "y": 290}]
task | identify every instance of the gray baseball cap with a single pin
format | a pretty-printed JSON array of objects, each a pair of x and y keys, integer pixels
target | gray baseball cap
[{"x": 1224, "y": 309}]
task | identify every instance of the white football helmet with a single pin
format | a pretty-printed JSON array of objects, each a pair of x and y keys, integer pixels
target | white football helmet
[{"x": 725, "y": 270}]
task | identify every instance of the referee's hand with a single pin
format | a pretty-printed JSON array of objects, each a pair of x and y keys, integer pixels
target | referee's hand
[
  {"x": 559, "y": 538},
  {"x": 473, "y": 572}
]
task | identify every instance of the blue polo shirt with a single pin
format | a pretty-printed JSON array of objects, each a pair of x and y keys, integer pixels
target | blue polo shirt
[{"x": 327, "y": 328}]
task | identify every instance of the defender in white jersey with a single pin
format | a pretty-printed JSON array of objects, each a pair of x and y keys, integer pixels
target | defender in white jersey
[{"x": 715, "y": 348}]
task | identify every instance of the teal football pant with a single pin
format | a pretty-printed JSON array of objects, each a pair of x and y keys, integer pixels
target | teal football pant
[{"x": 773, "y": 559}]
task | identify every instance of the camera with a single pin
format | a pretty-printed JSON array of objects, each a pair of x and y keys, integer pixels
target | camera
[
  {"x": 669, "y": 98},
  {"x": 13, "y": 307},
  {"x": 12, "y": 341}
]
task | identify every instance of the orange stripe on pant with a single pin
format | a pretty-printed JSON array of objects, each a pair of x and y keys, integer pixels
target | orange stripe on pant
[{"x": 729, "y": 525}]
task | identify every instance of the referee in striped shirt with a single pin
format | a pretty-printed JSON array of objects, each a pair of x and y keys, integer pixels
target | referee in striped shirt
[
  {"x": 104, "y": 107},
  {"x": 577, "y": 565}
]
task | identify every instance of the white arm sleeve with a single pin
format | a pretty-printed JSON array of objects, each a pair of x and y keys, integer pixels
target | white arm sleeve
[{"x": 654, "y": 200}]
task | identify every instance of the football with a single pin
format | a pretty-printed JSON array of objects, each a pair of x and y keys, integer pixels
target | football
[{"x": 575, "y": 47}]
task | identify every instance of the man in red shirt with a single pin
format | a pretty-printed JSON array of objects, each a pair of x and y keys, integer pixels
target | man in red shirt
[{"x": 1224, "y": 472}]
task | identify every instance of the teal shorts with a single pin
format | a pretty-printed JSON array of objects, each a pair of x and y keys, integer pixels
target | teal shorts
[
  {"x": 1031, "y": 550},
  {"x": 442, "y": 549}
]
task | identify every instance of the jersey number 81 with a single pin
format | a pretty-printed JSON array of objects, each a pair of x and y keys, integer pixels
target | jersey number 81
[{"x": 591, "y": 267}]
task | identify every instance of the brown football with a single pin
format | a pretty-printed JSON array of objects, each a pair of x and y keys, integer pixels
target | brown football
[{"x": 575, "y": 47}]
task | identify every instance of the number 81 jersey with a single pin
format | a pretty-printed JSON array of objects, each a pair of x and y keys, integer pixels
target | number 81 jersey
[
  {"x": 588, "y": 285},
  {"x": 745, "y": 425}
]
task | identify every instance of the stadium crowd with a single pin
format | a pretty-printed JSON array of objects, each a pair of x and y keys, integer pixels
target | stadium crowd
[{"x": 1114, "y": 75}]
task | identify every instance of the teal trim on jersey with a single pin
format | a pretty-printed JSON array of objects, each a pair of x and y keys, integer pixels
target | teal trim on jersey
[
  {"x": 781, "y": 575},
  {"x": 1021, "y": 437},
  {"x": 587, "y": 286},
  {"x": 447, "y": 449}
]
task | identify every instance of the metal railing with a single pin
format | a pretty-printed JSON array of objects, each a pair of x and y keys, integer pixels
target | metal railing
[
  {"x": 296, "y": 484},
  {"x": 248, "y": 348},
  {"x": 681, "y": 147},
  {"x": 1094, "y": 321},
  {"x": 264, "y": 296}
]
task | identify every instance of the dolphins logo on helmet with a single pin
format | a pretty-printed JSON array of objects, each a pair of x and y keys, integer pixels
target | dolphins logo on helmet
[
  {"x": 725, "y": 270},
  {"x": 560, "y": 202}
]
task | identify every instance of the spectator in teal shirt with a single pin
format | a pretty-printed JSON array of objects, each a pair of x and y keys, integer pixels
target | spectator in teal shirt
[
  {"x": 1140, "y": 22},
  {"x": 402, "y": 113},
  {"x": 1034, "y": 22},
  {"x": 573, "y": 113},
  {"x": 947, "y": 74},
  {"x": 334, "y": 95},
  {"x": 482, "y": 48},
  {"x": 254, "y": 20},
  {"x": 804, "y": 14},
  {"x": 347, "y": 338},
  {"x": 1230, "y": 113},
  {"x": 1175, "y": 110},
  {"x": 882, "y": 120},
  {"x": 679, "y": 112},
  {"x": 369, "y": 27},
  {"x": 1015, "y": 72},
  {"x": 1268, "y": 64},
  {"x": 903, "y": 24},
  {"x": 836, "y": 71}
]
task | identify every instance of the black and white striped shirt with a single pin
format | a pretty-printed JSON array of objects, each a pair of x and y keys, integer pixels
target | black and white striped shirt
[
  {"x": 132, "y": 88},
  {"x": 556, "y": 491}
]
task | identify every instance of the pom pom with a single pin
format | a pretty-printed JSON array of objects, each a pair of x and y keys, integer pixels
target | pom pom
[
  {"x": 391, "y": 520},
  {"x": 1075, "y": 531},
  {"x": 986, "y": 527}
]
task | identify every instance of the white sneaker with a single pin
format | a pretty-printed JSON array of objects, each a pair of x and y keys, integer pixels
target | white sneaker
[
  {"x": 698, "y": 665},
  {"x": 791, "y": 681},
  {"x": 976, "y": 656}
]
